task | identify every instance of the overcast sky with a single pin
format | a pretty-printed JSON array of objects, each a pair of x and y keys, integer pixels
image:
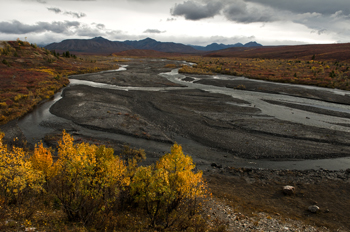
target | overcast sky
[{"x": 197, "y": 22}]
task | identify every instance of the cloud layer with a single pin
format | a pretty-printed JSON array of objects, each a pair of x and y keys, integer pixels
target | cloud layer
[
  {"x": 185, "y": 21},
  {"x": 320, "y": 16},
  {"x": 193, "y": 10},
  {"x": 16, "y": 27},
  {"x": 70, "y": 13},
  {"x": 234, "y": 10}
]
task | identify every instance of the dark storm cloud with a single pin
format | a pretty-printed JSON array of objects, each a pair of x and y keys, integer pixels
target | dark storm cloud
[
  {"x": 319, "y": 16},
  {"x": 54, "y": 9},
  {"x": 194, "y": 10},
  {"x": 302, "y": 6},
  {"x": 75, "y": 14},
  {"x": 240, "y": 11},
  {"x": 16, "y": 27},
  {"x": 234, "y": 10},
  {"x": 153, "y": 31}
]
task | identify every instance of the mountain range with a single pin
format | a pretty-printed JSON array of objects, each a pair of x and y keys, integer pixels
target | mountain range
[
  {"x": 216, "y": 47},
  {"x": 101, "y": 45}
]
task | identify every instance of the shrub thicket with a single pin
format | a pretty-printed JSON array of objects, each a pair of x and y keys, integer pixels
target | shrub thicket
[{"x": 91, "y": 186}]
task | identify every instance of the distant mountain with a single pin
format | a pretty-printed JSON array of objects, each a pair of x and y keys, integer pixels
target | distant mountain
[
  {"x": 252, "y": 44},
  {"x": 151, "y": 44},
  {"x": 95, "y": 45},
  {"x": 103, "y": 46},
  {"x": 216, "y": 47}
]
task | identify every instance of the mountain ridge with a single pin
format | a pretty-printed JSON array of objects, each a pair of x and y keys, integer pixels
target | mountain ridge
[
  {"x": 216, "y": 46},
  {"x": 100, "y": 45}
]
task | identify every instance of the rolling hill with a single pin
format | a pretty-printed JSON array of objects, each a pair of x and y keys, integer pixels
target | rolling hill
[
  {"x": 303, "y": 52},
  {"x": 95, "y": 45},
  {"x": 30, "y": 74}
]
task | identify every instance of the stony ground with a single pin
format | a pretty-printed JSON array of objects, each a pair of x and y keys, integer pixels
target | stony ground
[
  {"x": 258, "y": 195},
  {"x": 236, "y": 221}
]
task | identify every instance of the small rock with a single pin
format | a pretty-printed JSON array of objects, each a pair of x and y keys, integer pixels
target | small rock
[
  {"x": 313, "y": 208},
  {"x": 348, "y": 171},
  {"x": 288, "y": 190},
  {"x": 214, "y": 165}
]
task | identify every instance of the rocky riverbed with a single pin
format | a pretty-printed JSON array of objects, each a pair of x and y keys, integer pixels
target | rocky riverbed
[{"x": 236, "y": 130}]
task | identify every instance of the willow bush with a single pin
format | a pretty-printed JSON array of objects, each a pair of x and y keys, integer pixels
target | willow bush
[{"x": 100, "y": 190}]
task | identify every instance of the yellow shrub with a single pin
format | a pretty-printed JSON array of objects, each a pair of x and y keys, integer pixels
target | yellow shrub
[
  {"x": 168, "y": 186},
  {"x": 43, "y": 162},
  {"x": 86, "y": 182},
  {"x": 17, "y": 174},
  {"x": 85, "y": 174},
  {"x": 179, "y": 167}
]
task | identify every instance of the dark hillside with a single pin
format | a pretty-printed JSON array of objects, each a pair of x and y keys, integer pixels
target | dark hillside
[
  {"x": 100, "y": 45},
  {"x": 97, "y": 45},
  {"x": 339, "y": 52}
]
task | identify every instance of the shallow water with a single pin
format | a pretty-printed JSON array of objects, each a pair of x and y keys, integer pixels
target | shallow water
[
  {"x": 256, "y": 99},
  {"x": 34, "y": 125}
]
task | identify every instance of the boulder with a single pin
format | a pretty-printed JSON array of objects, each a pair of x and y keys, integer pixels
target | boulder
[
  {"x": 313, "y": 208},
  {"x": 288, "y": 190}
]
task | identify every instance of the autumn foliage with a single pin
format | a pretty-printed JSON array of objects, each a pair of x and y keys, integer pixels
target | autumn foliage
[
  {"x": 330, "y": 74},
  {"x": 92, "y": 186},
  {"x": 163, "y": 189},
  {"x": 18, "y": 176}
]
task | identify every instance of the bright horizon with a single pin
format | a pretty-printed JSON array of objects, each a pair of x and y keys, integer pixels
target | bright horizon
[{"x": 194, "y": 22}]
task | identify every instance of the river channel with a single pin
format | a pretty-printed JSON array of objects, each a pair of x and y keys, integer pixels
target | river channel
[{"x": 276, "y": 107}]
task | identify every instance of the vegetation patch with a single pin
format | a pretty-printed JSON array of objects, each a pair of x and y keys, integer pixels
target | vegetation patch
[
  {"x": 37, "y": 75},
  {"x": 329, "y": 74},
  {"x": 88, "y": 187}
]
